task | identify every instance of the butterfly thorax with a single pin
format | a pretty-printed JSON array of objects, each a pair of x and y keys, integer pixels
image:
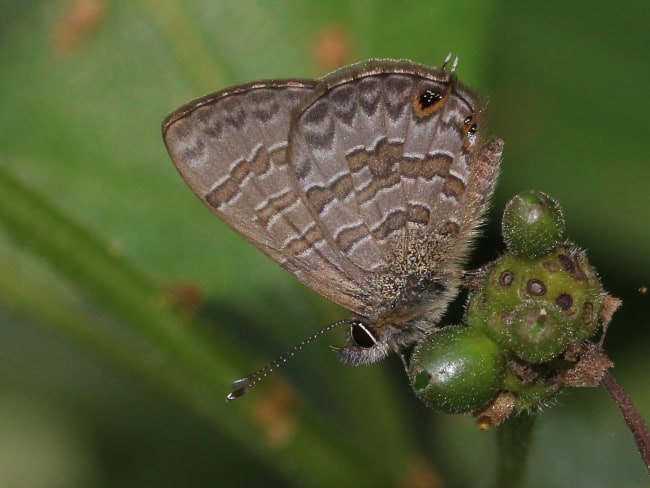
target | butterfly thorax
[{"x": 400, "y": 322}]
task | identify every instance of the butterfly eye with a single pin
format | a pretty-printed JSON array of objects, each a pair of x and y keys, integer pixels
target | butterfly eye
[{"x": 362, "y": 336}]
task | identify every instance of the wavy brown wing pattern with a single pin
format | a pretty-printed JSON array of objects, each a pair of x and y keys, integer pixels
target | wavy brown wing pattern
[
  {"x": 367, "y": 184},
  {"x": 231, "y": 149},
  {"x": 387, "y": 157}
]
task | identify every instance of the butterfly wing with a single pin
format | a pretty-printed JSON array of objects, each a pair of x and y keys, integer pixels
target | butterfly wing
[
  {"x": 231, "y": 149},
  {"x": 360, "y": 184}
]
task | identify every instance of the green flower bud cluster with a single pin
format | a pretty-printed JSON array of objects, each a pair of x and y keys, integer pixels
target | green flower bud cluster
[{"x": 525, "y": 324}]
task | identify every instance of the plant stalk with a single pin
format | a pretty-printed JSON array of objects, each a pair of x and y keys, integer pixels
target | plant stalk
[{"x": 514, "y": 438}]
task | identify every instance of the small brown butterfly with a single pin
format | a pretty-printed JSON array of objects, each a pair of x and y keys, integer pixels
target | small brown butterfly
[{"x": 368, "y": 185}]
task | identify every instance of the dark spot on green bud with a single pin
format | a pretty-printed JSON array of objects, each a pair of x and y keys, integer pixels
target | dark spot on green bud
[
  {"x": 506, "y": 278},
  {"x": 536, "y": 287},
  {"x": 551, "y": 266},
  {"x": 421, "y": 380},
  {"x": 574, "y": 262},
  {"x": 566, "y": 263},
  {"x": 564, "y": 301}
]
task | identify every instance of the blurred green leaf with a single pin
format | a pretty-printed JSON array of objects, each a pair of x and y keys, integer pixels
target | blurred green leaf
[{"x": 83, "y": 88}]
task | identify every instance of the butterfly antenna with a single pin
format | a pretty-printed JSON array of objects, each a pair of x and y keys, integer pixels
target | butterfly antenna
[
  {"x": 454, "y": 63},
  {"x": 444, "y": 63},
  {"x": 242, "y": 385}
]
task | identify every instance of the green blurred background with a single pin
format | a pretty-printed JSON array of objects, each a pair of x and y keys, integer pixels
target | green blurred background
[{"x": 126, "y": 308}]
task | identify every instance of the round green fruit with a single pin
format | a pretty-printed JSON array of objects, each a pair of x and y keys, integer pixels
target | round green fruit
[
  {"x": 457, "y": 370},
  {"x": 533, "y": 224}
]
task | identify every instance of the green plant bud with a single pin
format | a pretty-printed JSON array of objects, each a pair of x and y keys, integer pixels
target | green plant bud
[
  {"x": 539, "y": 331},
  {"x": 457, "y": 369},
  {"x": 533, "y": 224},
  {"x": 563, "y": 283}
]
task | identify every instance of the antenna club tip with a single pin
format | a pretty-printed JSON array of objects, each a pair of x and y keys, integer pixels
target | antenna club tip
[{"x": 235, "y": 394}]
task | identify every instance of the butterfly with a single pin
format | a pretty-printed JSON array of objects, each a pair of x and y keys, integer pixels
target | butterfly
[{"x": 368, "y": 185}]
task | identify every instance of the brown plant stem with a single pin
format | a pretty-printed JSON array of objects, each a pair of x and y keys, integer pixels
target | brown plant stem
[{"x": 632, "y": 418}]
